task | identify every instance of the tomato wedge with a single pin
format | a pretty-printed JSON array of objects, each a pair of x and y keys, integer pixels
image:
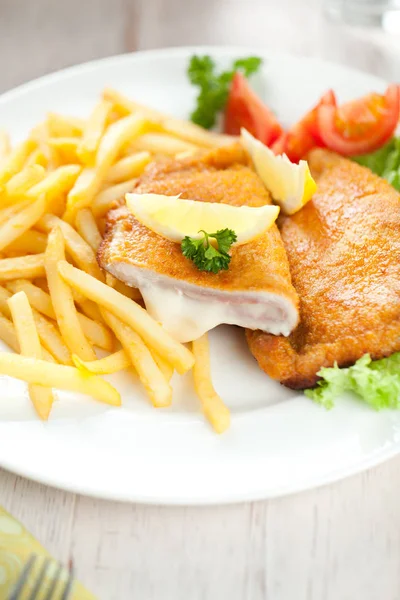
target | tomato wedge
[
  {"x": 245, "y": 109},
  {"x": 304, "y": 136},
  {"x": 279, "y": 146},
  {"x": 361, "y": 126}
]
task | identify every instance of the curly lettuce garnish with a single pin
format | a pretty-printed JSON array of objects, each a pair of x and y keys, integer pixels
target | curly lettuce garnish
[{"x": 376, "y": 382}]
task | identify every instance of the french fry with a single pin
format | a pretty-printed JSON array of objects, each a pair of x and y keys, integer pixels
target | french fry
[
  {"x": 21, "y": 222},
  {"x": 63, "y": 126},
  {"x": 5, "y": 295},
  {"x": 178, "y": 127},
  {"x": 47, "y": 332},
  {"x": 129, "y": 167},
  {"x": 55, "y": 186},
  {"x": 5, "y": 145},
  {"x": 103, "y": 201},
  {"x": 96, "y": 332},
  {"x": 47, "y": 356},
  {"x": 130, "y": 313},
  {"x": 9, "y": 211},
  {"x": 154, "y": 382},
  {"x": 196, "y": 135},
  {"x": 183, "y": 155},
  {"x": 41, "y": 282},
  {"x": 93, "y": 131},
  {"x": 80, "y": 251},
  {"x": 32, "y": 242},
  {"x": 166, "y": 369},
  {"x": 162, "y": 143},
  {"x": 37, "y": 157},
  {"x": 51, "y": 339},
  {"x": 15, "y": 160},
  {"x": 104, "y": 366},
  {"x": 116, "y": 137},
  {"x": 62, "y": 377},
  {"x": 25, "y": 179},
  {"x": 7, "y": 333},
  {"x": 40, "y": 134},
  {"x": 28, "y": 339},
  {"x": 22, "y": 267},
  {"x": 66, "y": 148},
  {"x": 83, "y": 192},
  {"x": 89, "y": 308},
  {"x": 126, "y": 106},
  {"x": 38, "y": 298},
  {"x": 213, "y": 407},
  {"x": 122, "y": 288},
  {"x": 62, "y": 300},
  {"x": 87, "y": 228},
  {"x": 90, "y": 180}
]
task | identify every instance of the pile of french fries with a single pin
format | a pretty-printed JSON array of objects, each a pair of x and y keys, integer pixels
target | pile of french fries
[{"x": 56, "y": 304}]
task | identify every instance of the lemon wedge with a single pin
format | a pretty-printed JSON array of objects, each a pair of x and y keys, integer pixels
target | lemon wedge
[
  {"x": 291, "y": 185},
  {"x": 174, "y": 218}
]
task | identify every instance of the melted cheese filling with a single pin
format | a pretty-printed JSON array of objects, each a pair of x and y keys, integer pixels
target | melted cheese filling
[{"x": 187, "y": 312}]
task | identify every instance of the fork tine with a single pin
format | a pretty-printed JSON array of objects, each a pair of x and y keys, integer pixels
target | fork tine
[
  {"x": 39, "y": 580},
  {"x": 15, "y": 595},
  {"x": 68, "y": 585},
  {"x": 55, "y": 580}
]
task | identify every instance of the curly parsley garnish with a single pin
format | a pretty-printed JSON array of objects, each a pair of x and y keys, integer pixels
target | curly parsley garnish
[
  {"x": 205, "y": 256},
  {"x": 214, "y": 87}
]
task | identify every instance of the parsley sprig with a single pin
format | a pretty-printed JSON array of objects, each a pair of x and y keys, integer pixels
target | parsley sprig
[
  {"x": 214, "y": 87},
  {"x": 205, "y": 256}
]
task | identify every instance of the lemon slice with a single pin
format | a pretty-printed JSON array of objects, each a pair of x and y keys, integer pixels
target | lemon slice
[
  {"x": 174, "y": 218},
  {"x": 291, "y": 185}
]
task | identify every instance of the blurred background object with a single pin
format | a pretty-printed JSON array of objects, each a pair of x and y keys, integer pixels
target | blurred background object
[
  {"x": 369, "y": 13},
  {"x": 41, "y": 36}
]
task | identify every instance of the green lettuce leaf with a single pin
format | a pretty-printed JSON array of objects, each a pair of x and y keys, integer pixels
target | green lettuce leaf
[
  {"x": 376, "y": 382},
  {"x": 385, "y": 162}
]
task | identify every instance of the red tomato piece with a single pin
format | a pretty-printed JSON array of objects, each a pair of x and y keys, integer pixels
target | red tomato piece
[
  {"x": 279, "y": 146},
  {"x": 360, "y": 126},
  {"x": 245, "y": 109},
  {"x": 304, "y": 136}
]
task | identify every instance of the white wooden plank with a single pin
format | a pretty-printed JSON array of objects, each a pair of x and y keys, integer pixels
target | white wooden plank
[
  {"x": 338, "y": 542},
  {"x": 152, "y": 552}
]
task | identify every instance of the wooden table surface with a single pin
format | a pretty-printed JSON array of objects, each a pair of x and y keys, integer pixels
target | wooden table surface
[{"x": 339, "y": 542}]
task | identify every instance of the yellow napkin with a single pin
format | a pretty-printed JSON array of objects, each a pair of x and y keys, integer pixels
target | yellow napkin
[{"x": 16, "y": 545}]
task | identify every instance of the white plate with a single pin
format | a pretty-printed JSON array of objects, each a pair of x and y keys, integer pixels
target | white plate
[{"x": 280, "y": 442}]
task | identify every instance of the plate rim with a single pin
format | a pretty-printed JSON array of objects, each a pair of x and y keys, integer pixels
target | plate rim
[
  {"x": 172, "y": 51},
  {"x": 330, "y": 478}
]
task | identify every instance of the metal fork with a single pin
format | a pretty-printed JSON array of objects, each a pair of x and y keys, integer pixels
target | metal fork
[{"x": 56, "y": 586}]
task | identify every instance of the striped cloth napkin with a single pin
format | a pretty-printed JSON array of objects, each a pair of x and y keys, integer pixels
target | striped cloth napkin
[{"x": 16, "y": 545}]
